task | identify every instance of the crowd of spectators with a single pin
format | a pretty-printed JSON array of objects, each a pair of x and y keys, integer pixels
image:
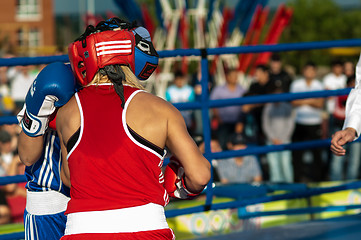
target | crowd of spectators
[
  {"x": 14, "y": 84},
  {"x": 277, "y": 123}
]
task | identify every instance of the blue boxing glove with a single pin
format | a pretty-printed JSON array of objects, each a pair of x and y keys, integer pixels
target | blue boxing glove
[{"x": 53, "y": 87}]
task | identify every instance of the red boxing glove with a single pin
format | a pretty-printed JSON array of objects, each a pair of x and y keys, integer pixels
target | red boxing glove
[
  {"x": 174, "y": 181},
  {"x": 52, "y": 120}
]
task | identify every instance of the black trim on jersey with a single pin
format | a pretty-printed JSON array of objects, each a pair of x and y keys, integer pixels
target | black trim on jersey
[
  {"x": 72, "y": 140},
  {"x": 145, "y": 142}
]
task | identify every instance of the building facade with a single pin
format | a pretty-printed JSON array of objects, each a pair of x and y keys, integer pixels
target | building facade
[{"x": 27, "y": 27}]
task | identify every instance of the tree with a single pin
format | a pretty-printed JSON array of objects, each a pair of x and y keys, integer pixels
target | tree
[{"x": 315, "y": 20}]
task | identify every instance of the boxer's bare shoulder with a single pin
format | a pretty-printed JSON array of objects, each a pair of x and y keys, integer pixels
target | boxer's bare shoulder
[
  {"x": 158, "y": 106},
  {"x": 150, "y": 115},
  {"x": 68, "y": 119}
]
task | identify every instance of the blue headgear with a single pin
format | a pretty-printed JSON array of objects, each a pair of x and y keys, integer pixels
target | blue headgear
[{"x": 146, "y": 57}]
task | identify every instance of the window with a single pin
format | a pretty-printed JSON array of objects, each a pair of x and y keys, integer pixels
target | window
[
  {"x": 28, "y": 10},
  {"x": 34, "y": 37},
  {"x": 29, "y": 38},
  {"x": 21, "y": 37}
]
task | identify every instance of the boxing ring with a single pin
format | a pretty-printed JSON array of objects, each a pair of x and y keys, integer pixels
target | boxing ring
[{"x": 243, "y": 195}]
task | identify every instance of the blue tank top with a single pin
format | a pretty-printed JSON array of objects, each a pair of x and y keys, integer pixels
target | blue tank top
[{"x": 44, "y": 175}]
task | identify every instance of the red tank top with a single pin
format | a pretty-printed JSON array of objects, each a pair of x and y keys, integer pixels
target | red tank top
[{"x": 109, "y": 168}]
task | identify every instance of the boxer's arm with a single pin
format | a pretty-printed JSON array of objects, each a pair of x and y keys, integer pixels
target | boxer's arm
[
  {"x": 353, "y": 104},
  {"x": 52, "y": 88},
  {"x": 30, "y": 148},
  {"x": 60, "y": 126},
  {"x": 67, "y": 123},
  {"x": 64, "y": 173},
  {"x": 196, "y": 167}
]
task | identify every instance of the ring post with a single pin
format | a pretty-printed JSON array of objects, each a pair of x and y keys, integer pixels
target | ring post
[{"x": 206, "y": 124}]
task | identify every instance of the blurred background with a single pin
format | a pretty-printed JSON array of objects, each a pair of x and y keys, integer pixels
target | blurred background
[
  {"x": 31, "y": 28},
  {"x": 38, "y": 27}
]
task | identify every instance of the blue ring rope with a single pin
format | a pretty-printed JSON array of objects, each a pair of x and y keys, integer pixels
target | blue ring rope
[
  {"x": 12, "y": 236},
  {"x": 250, "y": 100},
  {"x": 264, "y": 48},
  {"x": 236, "y": 101},
  {"x": 262, "y": 99},
  {"x": 241, "y": 203},
  {"x": 12, "y": 179},
  {"x": 8, "y": 120},
  {"x": 297, "y": 211},
  {"x": 24, "y": 61},
  {"x": 197, "y": 52}
]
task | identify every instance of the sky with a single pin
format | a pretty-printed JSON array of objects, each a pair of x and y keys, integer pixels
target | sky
[
  {"x": 101, "y": 6},
  {"x": 71, "y": 6},
  {"x": 342, "y": 3}
]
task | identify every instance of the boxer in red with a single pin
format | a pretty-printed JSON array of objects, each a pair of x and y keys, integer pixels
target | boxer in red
[{"x": 113, "y": 135}]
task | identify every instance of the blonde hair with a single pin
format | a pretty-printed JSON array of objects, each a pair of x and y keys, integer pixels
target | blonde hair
[{"x": 130, "y": 78}]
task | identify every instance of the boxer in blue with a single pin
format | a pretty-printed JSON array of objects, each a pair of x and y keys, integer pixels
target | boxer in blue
[{"x": 47, "y": 197}]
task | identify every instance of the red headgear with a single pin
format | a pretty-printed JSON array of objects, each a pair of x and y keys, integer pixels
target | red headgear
[{"x": 100, "y": 49}]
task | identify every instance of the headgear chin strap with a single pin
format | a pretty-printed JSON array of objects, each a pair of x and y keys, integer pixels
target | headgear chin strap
[{"x": 109, "y": 43}]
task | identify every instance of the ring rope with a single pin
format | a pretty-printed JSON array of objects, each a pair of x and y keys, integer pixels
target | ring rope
[
  {"x": 287, "y": 196},
  {"x": 198, "y": 52}
]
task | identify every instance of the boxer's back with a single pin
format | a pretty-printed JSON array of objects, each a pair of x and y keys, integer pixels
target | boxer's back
[
  {"x": 147, "y": 115},
  {"x": 155, "y": 120}
]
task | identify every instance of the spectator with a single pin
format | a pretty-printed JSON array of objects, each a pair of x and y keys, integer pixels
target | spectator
[
  {"x": 20, "y": 84},
  {"x": 215, "y": 147},
  {"x": 227, "y": 117},
  {"x": 6, "y": 151},
  {"x": 278, "y": 75},
  {"x": 262, "y": 85},
  {"x": 278, "y": 124},
  {"x": 5, "y": 213},
  {"x": 348, "y": 68},
  {"x": 354, "y": 149},
  {"x": 6, "y": 103},
  {"x": 196, "y": 84},
  {"x": 179, "y": 92},
  {"x": 4, "y": 83},
  {"x": 9, "y": 158},
  {"x": 16, "y": 192},
  {"x": 308, "y": 123},
  {"x": 239, "y": 169},
  {"x": 14, "y": 203},
  {"x": 332, "y": 81},
  {"x": 14, "y": 131}
]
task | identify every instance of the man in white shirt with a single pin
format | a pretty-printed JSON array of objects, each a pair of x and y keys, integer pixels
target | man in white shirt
[
  {"x": 308, "y": 123},
  {"x": 332, "y": 81},
  {"x": 22, "y": 78},
  {"x": 352, "y": 125},
  {"x": 180, "y": 92}
]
